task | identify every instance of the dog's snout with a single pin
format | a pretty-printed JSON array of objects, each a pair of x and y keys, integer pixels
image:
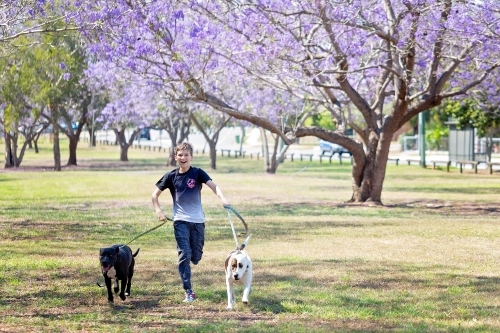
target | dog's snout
[{"x": 236, "y": 277}]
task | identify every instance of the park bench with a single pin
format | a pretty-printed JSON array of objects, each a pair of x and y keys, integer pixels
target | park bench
[
  {"x": 447, "y": 163},
  {"x": 490, "y": 166},
  {"x": 409, "y": 160},
  {"x": 239, "y": 153},
  {"x": 159, "y": 149},
  {"x": 340, "y": 159},
  {"x": 472, "y": 163},
  {"x": 330, "y": 157},
  {"x": 325, "y": 155},
  {"x": 258, "y": 155},
  {"x": 222, "y": 151},
  {"x": 290, "y": 155},
  {"x": 395, "y": 159},
  {"x": 306, "y": 155}
]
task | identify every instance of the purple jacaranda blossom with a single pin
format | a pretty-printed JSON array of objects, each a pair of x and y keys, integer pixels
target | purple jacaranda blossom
[{"x": 179, "y": 15}]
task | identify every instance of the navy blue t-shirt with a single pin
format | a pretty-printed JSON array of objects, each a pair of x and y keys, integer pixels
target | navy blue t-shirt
[{"x": 185, "y": 189}]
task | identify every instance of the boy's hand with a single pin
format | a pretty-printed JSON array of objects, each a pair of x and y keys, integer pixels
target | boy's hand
[{"x": 161, "y": 216}]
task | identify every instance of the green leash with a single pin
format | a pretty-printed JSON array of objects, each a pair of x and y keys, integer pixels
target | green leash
[{"x": 148, "y": 231}]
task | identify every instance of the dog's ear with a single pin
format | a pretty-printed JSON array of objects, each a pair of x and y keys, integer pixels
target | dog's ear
[{"x": 117, "y": 249}]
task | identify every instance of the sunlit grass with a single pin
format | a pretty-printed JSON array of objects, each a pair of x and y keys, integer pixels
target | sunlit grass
[{"x": 427, "y": 261}]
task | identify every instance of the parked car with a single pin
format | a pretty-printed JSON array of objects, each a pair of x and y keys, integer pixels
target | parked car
[
  {"x": 145, "y": 134},
  {"x": 332, "y": 148}
]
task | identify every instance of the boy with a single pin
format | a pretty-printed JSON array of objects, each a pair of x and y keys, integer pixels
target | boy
[{"x": 185, "y": 185}]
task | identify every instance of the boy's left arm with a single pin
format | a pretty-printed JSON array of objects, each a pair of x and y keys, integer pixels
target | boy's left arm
[{"x": 218, "y": 191}]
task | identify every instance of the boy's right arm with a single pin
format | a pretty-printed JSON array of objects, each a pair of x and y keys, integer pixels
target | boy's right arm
[{"x": 156, "y": 204}]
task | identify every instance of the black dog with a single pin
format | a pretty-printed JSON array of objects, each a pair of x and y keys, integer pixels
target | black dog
[{"x": 117, "y": 263}]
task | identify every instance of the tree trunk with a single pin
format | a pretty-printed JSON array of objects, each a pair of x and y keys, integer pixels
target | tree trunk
[
  {"x": 171, "y": 154},
  {"x": 13, "y": 146},
  {"x": 9, "y": 160},
  {"x": 489, "y": 145},
  {"x": 275, "y": 161},
  {"x": 271, "y": 163},
  {"x": 212, "y": 140},
  {"x": 56, "y": 148},
  {"x": 213, "y": 154},
  {"x": 265, "y": 148},
  {"x": 92, "y": 139},
  {"x": 35, "y": 143},
  {"x": 23, "y": 150},
  {"x": 121, "y": 140},
  {"x": 124, "y": 144},
  {"x": 73, "y": 144},
  {"x": 124, "y": 153},
  {"x": 369, "y": 175}
]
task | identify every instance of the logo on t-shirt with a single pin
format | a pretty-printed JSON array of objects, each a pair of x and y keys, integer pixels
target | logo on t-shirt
[{"x": 191, "y": 183}]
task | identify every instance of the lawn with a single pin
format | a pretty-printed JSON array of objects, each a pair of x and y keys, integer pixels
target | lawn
[{"x": 427, "y": 261}]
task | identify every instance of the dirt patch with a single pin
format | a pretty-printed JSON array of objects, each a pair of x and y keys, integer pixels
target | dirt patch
[{"x": 451, "y": 208}]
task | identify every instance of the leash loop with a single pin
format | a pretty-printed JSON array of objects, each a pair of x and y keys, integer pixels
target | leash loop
[
  {"x": 230, "y": 209},
  {"x": 232, "y": 227}
]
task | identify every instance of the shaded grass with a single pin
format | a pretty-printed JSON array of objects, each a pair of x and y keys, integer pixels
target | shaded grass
[{"x": 426, "y": 262}]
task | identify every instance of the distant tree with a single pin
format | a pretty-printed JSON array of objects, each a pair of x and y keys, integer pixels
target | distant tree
[
  {"x": 28, "y": 18},
  {"x": 20, "y": 114},
  {"x": 436, "y": 129},
  {"x": 60, "y": 65},
  {"x": 481, "y": 114},
  {"x": 175, "y": 119},
  {"x": 210, "y": 124}
]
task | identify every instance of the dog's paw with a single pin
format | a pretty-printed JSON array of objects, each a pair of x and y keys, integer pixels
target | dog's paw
[
  {"x": 123, "y": 297},
  {"x": 110, "y": 300},
  {"x": 229, "y": 308}
]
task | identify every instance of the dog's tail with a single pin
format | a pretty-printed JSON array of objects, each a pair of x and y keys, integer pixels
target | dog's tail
[
  {"x": 136, "y": 252},
  {"x": 245, "y": 243}
]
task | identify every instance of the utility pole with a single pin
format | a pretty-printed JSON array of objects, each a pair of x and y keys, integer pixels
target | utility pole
[{"x": 421, "y": 137}]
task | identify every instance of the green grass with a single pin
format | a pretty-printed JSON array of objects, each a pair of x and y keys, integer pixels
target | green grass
[{"x": 427, "y": 261}]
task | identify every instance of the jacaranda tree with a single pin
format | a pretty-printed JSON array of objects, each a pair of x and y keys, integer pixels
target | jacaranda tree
[
  {"x": 373, "y": 65},
  {"x": 20, "y": 18},
  {"x": 131, "y": 102}
]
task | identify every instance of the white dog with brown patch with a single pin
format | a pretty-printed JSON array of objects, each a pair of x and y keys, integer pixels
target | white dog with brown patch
[{"x": 238, "y": 269}]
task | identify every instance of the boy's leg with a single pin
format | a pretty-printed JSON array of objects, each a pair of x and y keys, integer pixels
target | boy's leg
[
  {"x": 197, "y": 241},
  {"x": 181, "y": 232}
]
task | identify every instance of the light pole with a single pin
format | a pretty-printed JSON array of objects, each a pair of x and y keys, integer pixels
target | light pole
[
  {"x": 421, "y": 137},
  {"x": 92, "y": 131}
]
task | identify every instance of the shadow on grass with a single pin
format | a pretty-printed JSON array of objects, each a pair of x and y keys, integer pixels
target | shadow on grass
[
  {"x": 465, "y": 190},
  {"x": 443, "y": 207},
  {"x": 362, "y": 295}
]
